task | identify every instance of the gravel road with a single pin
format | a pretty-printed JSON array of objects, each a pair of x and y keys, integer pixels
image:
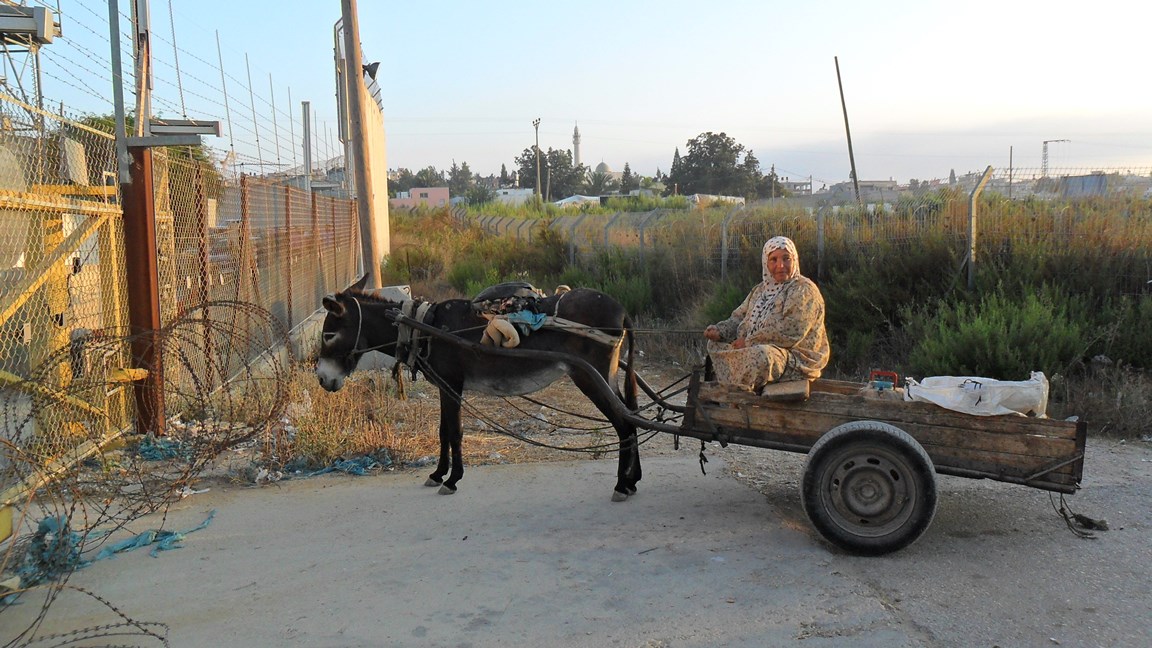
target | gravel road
[{"x": 535, "y": 555}]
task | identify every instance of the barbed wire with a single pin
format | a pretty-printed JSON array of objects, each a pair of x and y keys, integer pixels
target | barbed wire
[
  {"x": 180, "y": 83},
  {"x": 222, "y": 387}
]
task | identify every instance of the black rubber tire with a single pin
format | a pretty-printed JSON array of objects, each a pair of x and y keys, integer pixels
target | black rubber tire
[{"x": 869, "y": 488}]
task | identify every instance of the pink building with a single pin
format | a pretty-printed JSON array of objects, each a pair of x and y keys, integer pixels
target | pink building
[{"x": 430, "y": 196}]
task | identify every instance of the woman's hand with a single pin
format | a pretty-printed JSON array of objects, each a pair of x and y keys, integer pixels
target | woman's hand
[
  {"x": 712, "y": 333},
  {"x": 739, "y": 343}
]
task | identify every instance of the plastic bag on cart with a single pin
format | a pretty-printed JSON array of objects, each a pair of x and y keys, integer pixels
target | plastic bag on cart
[{"x": 983, "y": 396}]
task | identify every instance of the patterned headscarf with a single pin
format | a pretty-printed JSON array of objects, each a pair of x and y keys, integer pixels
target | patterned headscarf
[
  {"x": 780, "y": 243},
  {"x": 764, "y": 308}
]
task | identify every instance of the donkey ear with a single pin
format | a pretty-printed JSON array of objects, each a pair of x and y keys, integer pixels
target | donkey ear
[
  {"x": 359, "y": 285},
  {"x": 333, "y": 305}
]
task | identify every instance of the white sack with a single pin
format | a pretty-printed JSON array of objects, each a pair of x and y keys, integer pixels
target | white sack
[{"x": 983, "y": 396}]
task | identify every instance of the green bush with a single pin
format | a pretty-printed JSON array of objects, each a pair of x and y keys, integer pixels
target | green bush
[
  {"x": 998, "y": 336},
  {"x": 1124, "y": 329},
  {"x": 723, "y": 299}
]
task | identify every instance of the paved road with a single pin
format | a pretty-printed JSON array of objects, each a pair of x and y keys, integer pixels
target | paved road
[{"x": 536, "y": 555}]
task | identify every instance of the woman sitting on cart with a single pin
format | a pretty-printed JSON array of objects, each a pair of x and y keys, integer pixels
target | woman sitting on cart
[{"x": 777, "y": 334}]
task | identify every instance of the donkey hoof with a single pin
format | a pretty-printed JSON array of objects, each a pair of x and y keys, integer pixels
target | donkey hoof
[
  {"x": 617, "y": 496},
  {"x": 445, "y": 489},
  {"x": 431, "y": 483},
  {"x": 631, "y": 490}
]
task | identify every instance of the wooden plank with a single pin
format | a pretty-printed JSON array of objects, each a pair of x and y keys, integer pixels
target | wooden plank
[
  {"x": 806, "y": 429},
  {"x": 787, "y": 391},
  {"x": 859, "y": 407},
  {"x": 814, "y": 423},
  {"x": 1041, "y": 453}
]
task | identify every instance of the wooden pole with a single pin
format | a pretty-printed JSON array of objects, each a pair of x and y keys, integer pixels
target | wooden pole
[
  {"x": 357, "y": 95},
  {"x": 848, "y": 131}
]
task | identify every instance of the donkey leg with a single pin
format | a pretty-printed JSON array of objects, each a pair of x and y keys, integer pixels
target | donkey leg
[
  {"x": 625, "y": 482},
  {"x": 451, "y": 436},
  {"x": 442, "y": 466}
]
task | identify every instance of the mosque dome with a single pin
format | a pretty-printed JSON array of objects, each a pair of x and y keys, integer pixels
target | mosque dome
[{"x": 603, "y": 168}]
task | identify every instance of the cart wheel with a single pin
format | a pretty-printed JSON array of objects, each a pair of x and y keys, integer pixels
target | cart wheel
[{"x": 869, "y": 488}]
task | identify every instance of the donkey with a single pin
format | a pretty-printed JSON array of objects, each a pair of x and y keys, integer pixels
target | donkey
[{"x": 358, "y": 321}]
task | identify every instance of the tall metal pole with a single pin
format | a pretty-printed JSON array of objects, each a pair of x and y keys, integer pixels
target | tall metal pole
[
  {"x": 1010, "y": 172},
  {"x": 365, "y": 205},
  {"x": 306, "y": 117},
  {"x": 123, "y": 159},
  {"x": 972, "y": 199},
  {"x": 536, "y": 125},
  {"x": 851, "y": 156}
]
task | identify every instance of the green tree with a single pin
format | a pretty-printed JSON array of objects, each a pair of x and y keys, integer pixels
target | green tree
[
  {"x": 460, "y": 179},
  {"x": 430, "y": 177},
  {"x": 600, "y": 183},
  {"x": 769, "y": 186},
  {"x": 506, "y": 179},
  {"x": 399, "y": 181},
  {"x": 715, "y": 164},
  {"x": 478, "y": 194},
  {"x": 628, "y": 180},
  {"x": 558, "y": 176}
]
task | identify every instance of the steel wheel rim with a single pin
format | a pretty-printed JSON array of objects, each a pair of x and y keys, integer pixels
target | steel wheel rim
[{"x": 868, "y": 490}]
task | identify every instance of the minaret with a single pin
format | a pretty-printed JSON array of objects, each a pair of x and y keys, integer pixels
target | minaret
[{"x": 576, "y": 145}]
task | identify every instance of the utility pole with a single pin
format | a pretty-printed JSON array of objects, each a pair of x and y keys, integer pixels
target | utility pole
[
  {"x": 365, "y": 200},
  {"x": 1044, "y": 159},
  {"x": 848, "y": 131},
  {"x": 536, "y": 125}
]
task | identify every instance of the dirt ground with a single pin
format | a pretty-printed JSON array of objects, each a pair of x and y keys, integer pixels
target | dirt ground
[{"x": 534, "y": 553}]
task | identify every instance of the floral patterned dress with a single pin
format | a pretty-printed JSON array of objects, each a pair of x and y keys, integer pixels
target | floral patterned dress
[{"x": 782, "y": 324}]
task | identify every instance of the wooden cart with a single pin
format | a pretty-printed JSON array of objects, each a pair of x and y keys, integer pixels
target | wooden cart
[{"x": 869, "y": 482}]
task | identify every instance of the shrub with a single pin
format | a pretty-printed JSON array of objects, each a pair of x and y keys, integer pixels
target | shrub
[{"x": 998, "y": 336}]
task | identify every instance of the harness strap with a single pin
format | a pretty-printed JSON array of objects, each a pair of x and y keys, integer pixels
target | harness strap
[
  {"x": 408, "y": 340},
  {"x": 584, "y": 330}
]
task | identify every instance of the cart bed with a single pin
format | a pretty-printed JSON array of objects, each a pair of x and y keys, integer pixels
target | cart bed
[{"x": 1037, "y": 452}]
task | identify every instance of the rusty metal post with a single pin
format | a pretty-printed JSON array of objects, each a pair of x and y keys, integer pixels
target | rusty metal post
[
  {"x": 140, "y": 265},
  {"x": 200, "y": 294},
  {"x": 317, "y": 258},
  {"x": 288, "y": 256},
  {"x": 335, "y": 247}
]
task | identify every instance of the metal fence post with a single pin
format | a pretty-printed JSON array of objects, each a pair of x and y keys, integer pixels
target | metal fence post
[
  {"x": 607, "y": 227},
  {"x": 972, "y": 226},
  {"x": 140, "y": 264},
  {"x": 819, "y": 244},
  {"x": 287, "y": 247},
  {"x": 317, "y": 253},
  {"x": 724, "y": 243},
  {"x": 572, "y": 239},
  {"x": 643, "y": 224}
]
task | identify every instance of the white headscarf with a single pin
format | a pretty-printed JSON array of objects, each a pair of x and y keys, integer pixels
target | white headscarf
[
  {"x": 765, "y": 305},
  {"x": 780, "y": 243}
]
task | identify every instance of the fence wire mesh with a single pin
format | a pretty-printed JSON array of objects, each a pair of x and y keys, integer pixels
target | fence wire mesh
[
  {"x": 1071, "y": 220},
  {"x": 240, "y": 263}
]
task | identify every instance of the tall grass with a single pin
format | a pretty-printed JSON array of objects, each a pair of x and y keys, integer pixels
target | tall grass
[{"x": 1058, "y": 283}]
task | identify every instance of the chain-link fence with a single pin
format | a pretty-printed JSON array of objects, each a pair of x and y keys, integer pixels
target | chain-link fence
[
  {"x": 67, "y": 372},
  {"x": 1073, "y": 221},
  {"x": 61, "y": 260}
]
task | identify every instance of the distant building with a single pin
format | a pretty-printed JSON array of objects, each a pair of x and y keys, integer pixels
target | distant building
[
  {"x": 417, "y": 196},
  {"x": 517, "y": 196},
  {"x": 796, "y": 188},
  {"x": 1084, "y": 186},
  {"x": 608, "y": 172},
  {"x": 707, "y": 199}
]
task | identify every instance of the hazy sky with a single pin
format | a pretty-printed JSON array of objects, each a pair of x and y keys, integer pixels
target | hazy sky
[{"x": 930, "y": 86}]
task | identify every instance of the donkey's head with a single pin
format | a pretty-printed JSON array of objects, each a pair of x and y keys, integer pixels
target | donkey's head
[{"x": 342, "y": 341}]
